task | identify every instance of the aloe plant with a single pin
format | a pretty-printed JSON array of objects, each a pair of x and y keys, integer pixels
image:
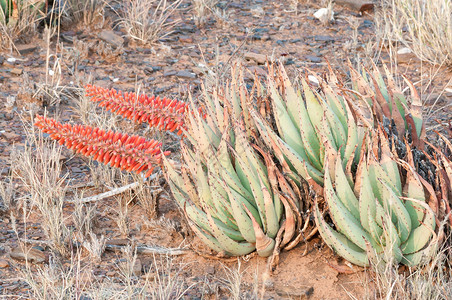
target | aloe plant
[
  {"x": 310, "y": 124},
  {"x": 234, "y": 197},
  {"x": 377, "y": 99},
  {"x": 308, "y": 127},
  {"x": 374, "y": 215}
]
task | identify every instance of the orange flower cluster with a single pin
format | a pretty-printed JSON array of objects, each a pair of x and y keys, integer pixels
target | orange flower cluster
[
  {"x": 127, "y": 152},
  {"x": 162, "y": 113}
]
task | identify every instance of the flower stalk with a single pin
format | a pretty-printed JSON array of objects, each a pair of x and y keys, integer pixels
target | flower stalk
[
  {"x": 127, "y": 152},
  {"x": 161, "y": 113}
]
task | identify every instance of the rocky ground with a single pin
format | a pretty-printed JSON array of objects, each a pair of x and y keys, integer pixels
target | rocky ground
[{"x": 250, "y": 32}]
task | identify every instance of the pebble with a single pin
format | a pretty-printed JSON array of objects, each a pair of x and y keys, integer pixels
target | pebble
[
  {"x": 293, "y": 292},
  {"x": 11, "y": 136},
  {"x": 110, "y": 37},
  {"x": 26, "y": 48},
  {"x": 324, "y": 15},
  {"x": 313, "y": 58},
  {"x": 11, "y": 60},
  {"x": 259, "y": 58},
  {"x": 404, "y": 51},
  {"x": 324, "y": 38},
  {"x": 151, "y": 69},
  {"x": 169, "y": 73},
  {"x": 405, "y": 55},
  {"x": 185, "y": 39},
  {"x": 76, "y": 170},
  {"x": 4, "y": 263},
  {"x": 186, "y": 74},
  {"x": 33, "y": 255},
  {"x": 17, "y": 71}
]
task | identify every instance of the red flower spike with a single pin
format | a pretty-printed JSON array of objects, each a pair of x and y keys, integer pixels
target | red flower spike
[
  {"x": 163, "y": 113},
  {"x": 120, "y": 150}
]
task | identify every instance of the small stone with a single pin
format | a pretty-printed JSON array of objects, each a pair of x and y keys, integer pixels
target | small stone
[
  {"x": 313, "y": 58},
  {"x": 152, "y": 69},
  {"x": 289, "y": 61},
  {"x": 405, "y": 55},
  {"x": 256, "y": 37},
  {"x": 76, "y": 170},
  {"x": 26, "y": 48},
  {"x": 168, "y": 73},
  {"x": 185, "y": 39},
  {"x": 405, "y": 50},
  {"x": 259, "y": 58},
  {"x": 4, "y": 263},
  {"x": 32, "y": 255},
  {"x": 324, "y": 15},
  {"x": 11, "y": 60},
  {"x": 111, "y": 38},
  {"x": 17, "y": 71},
  {"x": 324, "y": 38},
  {"x": 11, "y": 136},
  {"x": 186, "y": 74},
  {"x": 294, "y": 292},
  {"x": 187, "y": 28},
  {"x": 40, "y": 248}
]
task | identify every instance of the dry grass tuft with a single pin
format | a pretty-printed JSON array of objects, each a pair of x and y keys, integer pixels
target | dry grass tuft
[
  {"x": 38, "y": 167},
  {"x": 233, "y": 282},
  {"x": 425, "y": 282},
  {"x": 202, "y": 10},
  {"x": 148, "y": 193},
  {"x": 7, "y": 194},
  {"x": 149, "y": 20},
  {"x": 55, "y": 280},
  {"x": 22, "y": 23},
  {"x": 86, "y": 12},
  {"x": 425, "y": 27}
]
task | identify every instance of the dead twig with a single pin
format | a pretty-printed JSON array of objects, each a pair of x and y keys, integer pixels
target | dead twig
[
  {"x": 149, "y": 250},
  {"x": 112, "y": 192}
]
